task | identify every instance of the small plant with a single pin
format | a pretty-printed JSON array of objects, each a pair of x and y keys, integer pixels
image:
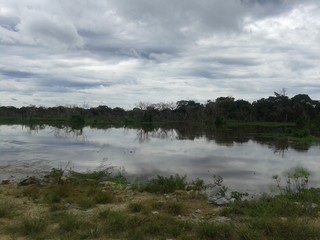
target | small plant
[
  {"x": 209, "y": 230},
  {"x": 166, "y": 184},
  {"x": 96, "y": 176},
  {"x": 175, "y": 208},
  {"x": 238, "y": 195},
  {"x": 119, "y": 177},
  {"x": 104, "y": 197},
  {"x": 115, "y": 221},
  {"x": 70, "y": 222},
  {"x": 297, "y": 178},
  {"x": 56, "y": 174},
  {"x": 56, "y": 192},
  {"x": 33, "y": 225},
  {"x": 198, "y": 184},
  {"x": 86, "y": 203},
  {"x": 135, "y": 207},
  {"x": 218, "y": 182},
  {"x": 6, "y": 209}
]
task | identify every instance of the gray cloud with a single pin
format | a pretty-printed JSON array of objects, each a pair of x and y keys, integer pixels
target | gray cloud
[{"x": 67, "y": 51}]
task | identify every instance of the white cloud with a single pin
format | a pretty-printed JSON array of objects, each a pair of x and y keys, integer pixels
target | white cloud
[{"x": 119, "y": 53}]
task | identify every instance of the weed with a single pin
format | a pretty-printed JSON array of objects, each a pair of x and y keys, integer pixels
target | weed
[
  {"x": 115, "y": 221},
  {"x": 104, "y": 197},
  {"x": 56, "y": 174},
  {"x": 119, "y": 177},
  {"x": 175, "y": 208},
  {"x": 210, "y": 230},
  {"x": 166, "y": 184},
  {"x": 6, "y": 209},
  {"x": 86, "y": 203},
  {"x": 297, "y": 179},
  {"x": 33, "y": 225},
  {"x": 238, "y": 195},
  {"x": 55, "y": 192},
  {"x": 285, "y": 229},
  {"x": 157, "y": 205},
  {"x": 96, "y": 176},
  {"x": 70, "y": 222},
  {"x": 57, "y": 207},
  {"x": 198, "y": 184},
  {"x": 267, "y": 206},
  {"x": 135, "y": 207},
  {"x": 31, "y": 191}
]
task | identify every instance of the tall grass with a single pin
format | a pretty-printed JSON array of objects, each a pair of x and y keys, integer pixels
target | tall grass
[{"x": 162, "y": 184}]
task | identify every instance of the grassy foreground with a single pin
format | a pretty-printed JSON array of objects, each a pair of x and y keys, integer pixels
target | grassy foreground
[{"x": 96, "y": 205}]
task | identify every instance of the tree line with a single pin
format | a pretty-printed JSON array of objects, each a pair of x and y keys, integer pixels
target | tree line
[{"x": 300, "y": 109}]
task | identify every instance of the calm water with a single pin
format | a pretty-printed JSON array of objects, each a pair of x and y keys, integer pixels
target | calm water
[{"x": 245, "y": 163}]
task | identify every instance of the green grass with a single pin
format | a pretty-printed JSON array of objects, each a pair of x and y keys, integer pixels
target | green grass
[
  {"x": 33, "y": 225},
  {"x": 162, "y": 184},
  {"x": 86, "y": 203},
  {"x": 62, "y": 213},
  {"x": 175, "y": 208},
  {"x": 135, "y": 207},
  {"x": 104, "y": 197},
  {"x": 236, "y": 123},
  {"x": 7, "y": 209},
  {"x": 283, "y": 205},
  {"x": 71, "y": 222},
  {"x": 210, "y": 230}
]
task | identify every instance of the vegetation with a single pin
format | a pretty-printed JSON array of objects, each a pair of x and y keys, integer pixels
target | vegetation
[
  {"x": 299, "y": 110},
  {"x": 294, "y": 122},
  {"x": 66, "y": 208}
]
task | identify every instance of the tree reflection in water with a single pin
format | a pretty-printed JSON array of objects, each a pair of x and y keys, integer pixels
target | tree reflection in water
[
  {"x": 220, "y": 136},
  {"x": 58, "y": 131},
  {"x": 145, "y": 134},
  {"x": 280, "y": 147}
]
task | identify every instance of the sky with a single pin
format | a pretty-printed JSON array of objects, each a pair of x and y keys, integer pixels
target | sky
[{"x": 122, "y": 52}]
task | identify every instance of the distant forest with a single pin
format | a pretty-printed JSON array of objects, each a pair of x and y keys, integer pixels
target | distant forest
[{"x": 300, "y": 109}]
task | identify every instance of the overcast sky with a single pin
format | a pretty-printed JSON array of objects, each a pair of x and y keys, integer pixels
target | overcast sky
[{"x": 121, "y": 52}]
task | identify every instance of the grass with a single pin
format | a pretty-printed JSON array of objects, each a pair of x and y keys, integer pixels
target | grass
[
  {"x": 162, "y": 184},
  {"x": 175, "y": 208},
  {"x": 283, "y": 205},
  {"x": 236, "y": 123},
  {"x": 88, "y": 210},
  {"x": 135, "y": 207},
  {"x": 33, "y": 225}
]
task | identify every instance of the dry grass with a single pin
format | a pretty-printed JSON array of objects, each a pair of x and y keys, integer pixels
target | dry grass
[{"x": 88, "y": 210}]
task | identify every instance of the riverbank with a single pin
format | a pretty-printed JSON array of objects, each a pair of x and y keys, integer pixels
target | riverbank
[{"x": 97, "y": 205}]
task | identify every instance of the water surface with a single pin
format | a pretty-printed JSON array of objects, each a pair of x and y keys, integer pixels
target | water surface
[{"x": 246, "y": 164}]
